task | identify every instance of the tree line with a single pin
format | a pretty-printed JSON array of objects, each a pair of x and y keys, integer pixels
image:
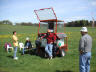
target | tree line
[{"x": 78, "y": 23}]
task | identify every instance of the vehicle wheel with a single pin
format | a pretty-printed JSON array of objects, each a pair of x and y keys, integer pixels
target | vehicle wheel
[{"x": 62, "y": 53}]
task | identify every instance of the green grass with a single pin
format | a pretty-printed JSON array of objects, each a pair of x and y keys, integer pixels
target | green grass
[{"x": 33, "y": 63}]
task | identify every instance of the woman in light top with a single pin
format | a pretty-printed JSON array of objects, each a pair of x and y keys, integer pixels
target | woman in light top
[{"x": 15, "y": 43}]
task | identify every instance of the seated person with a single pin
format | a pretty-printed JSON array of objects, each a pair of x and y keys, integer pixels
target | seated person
[{"x": 27, "y": 44}]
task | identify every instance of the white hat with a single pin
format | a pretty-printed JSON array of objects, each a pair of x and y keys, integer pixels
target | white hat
[
  {"x": 51, "y": 30},
  {"x": 27, "y": 38},
  {"x": 84, "y": 29}
]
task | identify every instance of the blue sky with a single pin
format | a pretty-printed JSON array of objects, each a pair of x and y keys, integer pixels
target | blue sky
[{"x": 67, "y": 10}]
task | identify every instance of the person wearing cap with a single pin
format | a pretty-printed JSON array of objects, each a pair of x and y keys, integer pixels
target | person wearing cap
[
  {"x": 15, "y": 43},
  {"x": 85, "y": 45},
  {"x": 27, "y": 45},
  {"x": 51, "y": 37}
]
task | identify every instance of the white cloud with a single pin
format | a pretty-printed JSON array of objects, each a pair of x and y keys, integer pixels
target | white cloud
[
  {"x": 76, "y": 18},
  {"x": 93, "y": 3}
]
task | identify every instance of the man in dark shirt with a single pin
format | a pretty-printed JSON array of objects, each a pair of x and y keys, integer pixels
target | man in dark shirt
[{"x": 27, "y": 44}]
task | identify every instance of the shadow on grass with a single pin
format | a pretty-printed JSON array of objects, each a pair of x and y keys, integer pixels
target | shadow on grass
[
  {"x": 64, "y": 71},
  {"x": 10, "y": 56},
  {"x": 41, "y": 53},
  {"x": 31, "y": 52}
]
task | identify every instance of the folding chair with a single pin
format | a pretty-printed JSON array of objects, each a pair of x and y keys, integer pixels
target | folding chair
[
  {"x": 21, "y": 46},
  {"x": 8, "y": 47}
]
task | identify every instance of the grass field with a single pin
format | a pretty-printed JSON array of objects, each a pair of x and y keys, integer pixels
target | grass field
[{"x": 33, "y": 63}]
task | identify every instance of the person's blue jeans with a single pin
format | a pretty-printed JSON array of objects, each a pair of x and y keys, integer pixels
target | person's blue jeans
[
  {"x": 23, "y": 50},
  {"x": 15, "y": 51},
  {"x": 25, "y": 47},
  {"x": 48, "y": 49},
  {"x": 84, "y": 62}
]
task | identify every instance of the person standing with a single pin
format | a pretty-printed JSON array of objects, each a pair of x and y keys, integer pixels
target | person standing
[
  {"x": 85, "y": 45},
  {"x": 15, "y": 43}
]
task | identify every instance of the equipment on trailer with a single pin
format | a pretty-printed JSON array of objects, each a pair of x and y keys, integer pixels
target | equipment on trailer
[{"x": 48, "y": 16}]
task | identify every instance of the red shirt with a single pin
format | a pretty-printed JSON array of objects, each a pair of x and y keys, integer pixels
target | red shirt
[{"x": 51, "y": 37}]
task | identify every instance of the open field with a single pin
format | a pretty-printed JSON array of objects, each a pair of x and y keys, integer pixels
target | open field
[{"x": 33, "y": 63}]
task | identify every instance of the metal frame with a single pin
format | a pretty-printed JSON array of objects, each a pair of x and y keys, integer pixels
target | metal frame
[
  {"x": 46, "y": 20},
  {"x": 54, "y": 20}
]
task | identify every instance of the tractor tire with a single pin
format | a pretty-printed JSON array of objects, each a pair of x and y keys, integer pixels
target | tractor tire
[{"x": 62, "y": 53}]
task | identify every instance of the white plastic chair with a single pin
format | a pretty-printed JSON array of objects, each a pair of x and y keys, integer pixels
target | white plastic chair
[
  {"x": 21, "y": 45},
  {"x": 8, "y": 47}
]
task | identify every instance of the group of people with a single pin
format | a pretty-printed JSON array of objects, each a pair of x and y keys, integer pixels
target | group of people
[{"x": 85, "y": 45}]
